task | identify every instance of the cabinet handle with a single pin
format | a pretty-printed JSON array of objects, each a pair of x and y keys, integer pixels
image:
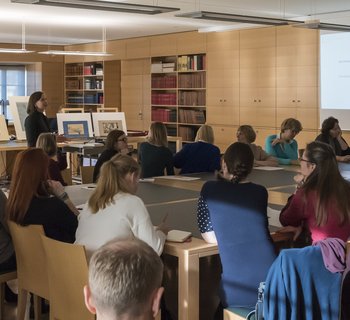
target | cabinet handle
[
  {"x": 224, "y": 100},
  {"x": 254, "y": 100},
  {"x": 259, "y": 100},
  {"x": 220, "y": 100},
  {"x": 298, "y": 100},
  {"x": 293, "y": 100}
]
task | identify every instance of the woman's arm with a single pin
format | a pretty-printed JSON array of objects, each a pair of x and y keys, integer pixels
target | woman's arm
[
  {"x": 293, "y": 212},
  {"x": 204, "y": 222},
  {"x": 264, "y": 159}
]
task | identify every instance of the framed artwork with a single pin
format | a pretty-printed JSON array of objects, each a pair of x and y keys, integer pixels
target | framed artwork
[
  {"x": 104, "y": 122},
  {"x": 18, "y": 107},
  {"x": 75, "y": 125},
  {"x": 4, "y": 134}
]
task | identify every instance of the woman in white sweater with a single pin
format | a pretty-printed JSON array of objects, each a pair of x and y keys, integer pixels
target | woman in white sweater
[{"x": 115, "y": 212}]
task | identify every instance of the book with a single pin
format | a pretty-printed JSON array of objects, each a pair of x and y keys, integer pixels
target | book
[{"x": 178, "y": 236}]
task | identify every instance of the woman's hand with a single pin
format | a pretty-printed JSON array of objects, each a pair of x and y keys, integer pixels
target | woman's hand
[
  {"x": 55, "y": 188},
  {"x": 290, "y": 229},
  {"x": 162, "y": 227},
  {"x": 276, "y": 141}
]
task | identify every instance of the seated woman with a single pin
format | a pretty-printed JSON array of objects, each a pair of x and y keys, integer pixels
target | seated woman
[
  {"x": 200, "y": 156},
  {"x": 283, "y": 146},
  {"x": 227, "y": 216},
  {"x": 57, "y": 161},
  {"x": 115, "y": 212},
  {"x": 33, "y": 199},
  {"x": 322, "y": 200},
  {"x": 154, "y": 155},
  {"x": 246, "y": 134},
  {"x": 116, "y": 142},
  {"x": 332, "y": 135}
]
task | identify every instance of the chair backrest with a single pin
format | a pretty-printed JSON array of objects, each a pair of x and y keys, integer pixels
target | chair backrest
[
  {"x": 108, "y": 109},
  {"x": 68, "y": 273},
  {"x": 87, "y": 174},
  {"x": 72, "y": 110},
  {"x": 67, "y": 176},
  {"x": 31, "y": 263}
]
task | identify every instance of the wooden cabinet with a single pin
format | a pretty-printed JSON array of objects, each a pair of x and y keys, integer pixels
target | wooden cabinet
[
  {"x": 85, "y": 84},
  {"x": 136, "y": 96},
  {"x": 257, "y": 80},
  {"x": 178, "y": 93}
]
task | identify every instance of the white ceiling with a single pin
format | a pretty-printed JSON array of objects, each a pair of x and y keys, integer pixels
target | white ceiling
[{"x": 55, "y": 25}]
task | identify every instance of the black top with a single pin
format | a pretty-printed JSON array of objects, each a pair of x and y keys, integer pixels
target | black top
[
  {"x": 334, "y": 143},
  {"x": 35, "y": 124},
  {"x": 154, "y": 159},
  {"x": 105, "y": 156},
  {"x": 58, "y": 221}
]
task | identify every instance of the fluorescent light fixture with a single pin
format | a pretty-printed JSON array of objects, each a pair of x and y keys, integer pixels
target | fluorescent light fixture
[
  {"x": 225, "y": 28},
  {"x": 217, "y": 16},
  {"x": 19, "y": 50},
  {"x": 76, "y": 53},
  {"x": 316, "y": 24},
  {"x": 101, "y": 5}
]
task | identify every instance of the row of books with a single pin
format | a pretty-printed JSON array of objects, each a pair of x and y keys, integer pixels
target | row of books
[
  {"x": 164, "y": 115},
  {"x": 74, "y": 69},
  {"x": 192, "y": 98},
  {"x": 93, "y": 69},
  {"x": 160, "y": 66},
  {"x": 168, "y": 99},
  {"x": 163, "y": 81},
  {"x": 191, "y": 116},
  {"x": 96, "y": 98},
  {"x": 171, "y": 131},
  {"x": 74, "y": 84},
  {"x": 187, "y": 133},
  {"x": 188, "y": 63},
  {"x": 192, "y": 80}
]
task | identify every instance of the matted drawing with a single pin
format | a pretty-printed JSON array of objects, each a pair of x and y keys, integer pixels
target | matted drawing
[
  {"x": 18, "y": 107},
  {"x": 4, "y": 133},
  {"x": 104, "y": 122},
  {"x": 75, "y": 125}
]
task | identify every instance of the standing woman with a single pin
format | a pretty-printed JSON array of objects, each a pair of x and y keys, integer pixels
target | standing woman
[
  {"x": 322, "y": 200},
  {"x": 154, "y": 155},
  {"x": 332, "y": 135},
  {"x": 283, "y": 146},
  {"x": 33, "y": 199},
  {"x": 115, "y": 212},
  {"x": 227, "y": 216},
  {"x": 36, "y": 121},
  {"x": 116, "y": 142},
  {"x": 201, "y": 155},
  {"x": 57, "y": 161}
]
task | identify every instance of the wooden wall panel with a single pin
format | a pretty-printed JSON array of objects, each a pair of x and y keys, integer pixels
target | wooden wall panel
[
  {"x": 191, "y": 42},
  {"x": 112, "y": 84},
  {"x": 138, "y": 48},
  {"x": 164, "y": 45}
]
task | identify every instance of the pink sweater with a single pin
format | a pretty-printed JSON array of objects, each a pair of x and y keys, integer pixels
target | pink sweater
[{"x": 298, "y": 209}]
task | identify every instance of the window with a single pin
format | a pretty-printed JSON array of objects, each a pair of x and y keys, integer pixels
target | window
[{"x": 12, "y": 83}]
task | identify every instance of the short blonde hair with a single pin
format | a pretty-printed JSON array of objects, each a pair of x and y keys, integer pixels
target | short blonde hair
[
  {"x": 158, "y": 134},
  {"x": 205, "y": 133},
  {"x": 112, "y": 180},
  {"x": 47, "y": 142},
  {"x": 248, "y": 132},
  {"x": 292, "y": 124}
]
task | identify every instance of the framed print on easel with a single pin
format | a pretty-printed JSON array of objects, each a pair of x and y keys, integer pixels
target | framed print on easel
[
  {"x": 18, "y": 107},
  {"x": 4, "y": 134},
  {"x": 75, "y": 125},
  {"x": 104, "y": 122}
]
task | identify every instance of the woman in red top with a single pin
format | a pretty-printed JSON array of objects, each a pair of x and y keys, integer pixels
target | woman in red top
[{"x": 322, "y": 199}]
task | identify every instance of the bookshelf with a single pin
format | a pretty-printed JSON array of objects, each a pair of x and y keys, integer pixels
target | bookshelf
[
  {"x": 178, "y": 93},
  {"x": 84, "y": 85}
]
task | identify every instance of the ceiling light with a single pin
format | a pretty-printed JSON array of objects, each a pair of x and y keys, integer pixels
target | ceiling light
[
  {"x": 76, "y": 53},
  {"x": 101, "y": 5},
  {"x": 217, "y": 16},
  {"x": 316, "y": 24},
  {"x": 19, "y": 50}
]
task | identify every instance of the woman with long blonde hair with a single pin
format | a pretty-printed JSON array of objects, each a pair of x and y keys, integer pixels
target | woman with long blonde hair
[{"x": 114, "y": 211}]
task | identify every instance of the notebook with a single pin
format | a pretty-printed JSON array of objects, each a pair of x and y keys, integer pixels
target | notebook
[{"x": 178, "y": 236}]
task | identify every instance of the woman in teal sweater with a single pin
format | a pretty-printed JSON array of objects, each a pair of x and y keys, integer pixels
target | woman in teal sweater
[{"x": 283, "y": 146}]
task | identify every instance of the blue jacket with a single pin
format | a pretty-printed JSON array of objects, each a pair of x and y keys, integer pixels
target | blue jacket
[{"x": 284, "y": 152}]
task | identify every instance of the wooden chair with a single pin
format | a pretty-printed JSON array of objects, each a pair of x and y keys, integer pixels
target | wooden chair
[
  {"x": 67, "y": 270},
  {"x": 31, "y": 266},
  {"x": 67, "y": 176},
  {"x": 4, "y": 277},
  {"x": 87, "y": 174},
  {"x": 108, "y": 109},
  {"x": 72, "y": 110}
]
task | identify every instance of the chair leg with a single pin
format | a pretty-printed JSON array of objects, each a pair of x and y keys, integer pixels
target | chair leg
[
  {"x": 37, "y": 307},
  {"x": 22, "y": 303},
  {"x": 2, "y": 298}
]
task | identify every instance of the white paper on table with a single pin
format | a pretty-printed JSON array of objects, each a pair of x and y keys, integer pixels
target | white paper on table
[
  {"x": 147, "y": 180},
  {"x": 267, "y": 168},
  {"x": 182, "y": 178},
  {"x": 274, "y": 217}
]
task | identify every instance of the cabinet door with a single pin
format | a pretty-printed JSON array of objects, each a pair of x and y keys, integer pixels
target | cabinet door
[{"x": 224, "y": 136}]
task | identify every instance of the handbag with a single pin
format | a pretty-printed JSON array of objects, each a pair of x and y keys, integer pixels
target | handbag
[{"x": 258, "y": 313}]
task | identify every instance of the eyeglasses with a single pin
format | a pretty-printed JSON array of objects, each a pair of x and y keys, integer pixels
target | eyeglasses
[
  {"x": 123, "y": 139},
  {"x": 301, "y": 159}
]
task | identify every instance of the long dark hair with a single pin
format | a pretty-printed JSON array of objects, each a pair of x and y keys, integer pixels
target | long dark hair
[
  {"x": 113, "y": 137},
  {"x": 327, "y": 181},
  {"x": 33, "y": 99},
  {"x": 239, "y": 160},
  {"x": 328, "y": 124}
]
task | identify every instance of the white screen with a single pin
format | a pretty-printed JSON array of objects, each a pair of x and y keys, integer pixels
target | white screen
[{"x": 335, "y": 77}]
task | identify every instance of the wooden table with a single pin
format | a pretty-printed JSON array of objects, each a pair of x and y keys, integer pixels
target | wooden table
[{"x": 8, "y": 153}]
